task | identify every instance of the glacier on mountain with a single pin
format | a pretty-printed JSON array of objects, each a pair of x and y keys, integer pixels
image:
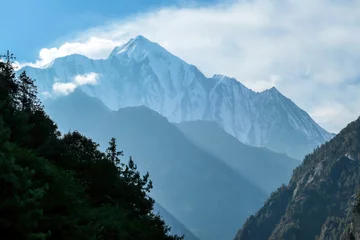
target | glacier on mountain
[{"x": 143, "y": 73}]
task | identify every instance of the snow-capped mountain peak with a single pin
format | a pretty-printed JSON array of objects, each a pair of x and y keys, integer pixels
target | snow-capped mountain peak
[
  {"x": 220, "y": 77},
  {"x": 139, "y": 48},
  {"x": 273, "y": 90},
  {"x": 141, "y": 72}
]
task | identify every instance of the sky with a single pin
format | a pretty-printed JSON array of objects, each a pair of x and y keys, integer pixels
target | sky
[
  {"x": 37, "y": 24},
  {"x": 309, "y": 50}
]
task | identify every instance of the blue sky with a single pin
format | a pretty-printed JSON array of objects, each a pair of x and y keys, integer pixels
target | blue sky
[{"x": 36, "y": 24}]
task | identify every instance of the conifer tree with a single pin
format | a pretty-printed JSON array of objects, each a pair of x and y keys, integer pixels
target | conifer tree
[
  {"x": 112, "y": 153},
  {"x": 28, "y": 94},
  {"x": 8, "y": 84}
]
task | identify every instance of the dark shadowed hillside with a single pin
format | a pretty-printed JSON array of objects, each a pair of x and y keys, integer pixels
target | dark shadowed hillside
[{"x": 316, "y": 202}]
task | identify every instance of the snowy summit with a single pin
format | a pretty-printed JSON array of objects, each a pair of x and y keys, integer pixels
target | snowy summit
[{"x": 142, "y": 72}]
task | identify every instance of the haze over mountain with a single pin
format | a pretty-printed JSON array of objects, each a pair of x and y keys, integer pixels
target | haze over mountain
[
  {"x": 198, "y": 189},
  {"x": 264, "y": 168},
  {"x": 143, "y": 73},
  {"x": 177, "y": 228},
  {"x": 317, "y": 202}
]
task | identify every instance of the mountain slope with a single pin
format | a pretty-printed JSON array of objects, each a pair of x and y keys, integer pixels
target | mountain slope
[
  {"x": 264, "y": 168},
  {"x": 316, "y": 200},
  {"x": 176, "y": 227},
  {"x": 201, "y": 191},
  {"x": 143, "y": 73}
]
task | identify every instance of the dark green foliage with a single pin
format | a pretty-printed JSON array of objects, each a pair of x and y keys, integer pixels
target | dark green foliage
[
  {"x": 315, "y": 203},
  {"x": 356, "y": 204},
  {"x": 112, "y": 154},
  {"x": 352, "y": 229},
  {"x": 8, "y": 84},
  {"x": 56, "y": 187},
  {"x": 264, "y": 222},
  {"x": 28, "y": 101},
  {"x": 332, "y": 228},
  {"x": 20, "y": 193}
]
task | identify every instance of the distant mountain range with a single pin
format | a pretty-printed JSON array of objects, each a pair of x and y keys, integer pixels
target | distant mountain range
[
  {"x": 262, "y": 167},
  {"x": 198, "y": 189},
  {"x": 177, "y": 228},
  {"x": 317, "y": 202},
  {"x": 143, "y": 73}
]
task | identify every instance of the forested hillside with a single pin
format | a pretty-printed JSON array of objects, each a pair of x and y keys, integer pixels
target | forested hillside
[
  {"x": 316, "y": 204},
  {"x": 352, "y": 230},
  {"x": 57, "y": 186}
]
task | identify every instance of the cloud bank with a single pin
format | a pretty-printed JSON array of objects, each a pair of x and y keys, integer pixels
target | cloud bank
[
  {"x": 63, "y": 88},
  {"x": 308, "y": 49},
  {"x": 60, "y": 88},
  {"x": 90, "y": 78}
]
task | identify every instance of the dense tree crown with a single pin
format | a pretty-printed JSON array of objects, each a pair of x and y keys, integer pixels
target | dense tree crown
[{"x": 63, "y": 187}]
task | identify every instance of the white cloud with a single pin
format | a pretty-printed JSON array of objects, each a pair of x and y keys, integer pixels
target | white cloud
[
  {"x": 63, "y": 88},
  {"x": 94, "y": 47},
  {"x": 60, "y": 88},
  {"x": 90, "y": 78},
  {"x": 311, "y": 46}
]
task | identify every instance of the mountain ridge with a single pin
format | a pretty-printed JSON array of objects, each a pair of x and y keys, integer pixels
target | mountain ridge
[
  {"x": 187, "y": 180},
  {"x": 177, "y": 228},
  {"x": 317, "y": 201},
  {"x": 141, "y": 72},
  {"x": 264, "y": 168}
]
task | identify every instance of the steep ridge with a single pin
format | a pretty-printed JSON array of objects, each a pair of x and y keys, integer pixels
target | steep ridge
[
  {"x": 177, "y": 227},
  {"x": 143, "y": 73},
  {"x": 201, "y": 191},
  {"x": 264, "y": 168},
  {"x": 316, "y": 202}
]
